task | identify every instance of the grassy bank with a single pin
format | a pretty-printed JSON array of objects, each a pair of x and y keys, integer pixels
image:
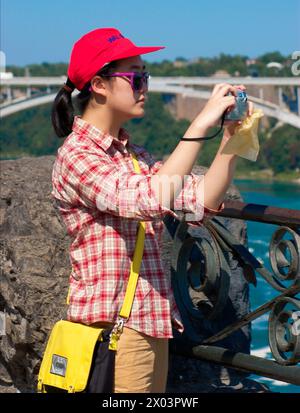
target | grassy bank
[{"x": 268, "y": 175}]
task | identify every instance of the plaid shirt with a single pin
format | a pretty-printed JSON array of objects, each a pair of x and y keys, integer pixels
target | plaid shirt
[{"x": 101, "y": 199}]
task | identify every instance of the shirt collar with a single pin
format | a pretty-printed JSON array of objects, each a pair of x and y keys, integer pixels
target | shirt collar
[{"x": 105, "y": 140}]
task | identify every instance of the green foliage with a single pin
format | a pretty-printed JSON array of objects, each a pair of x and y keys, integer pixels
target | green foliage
[
  {"x": 234, "y": 65},
  {"x": 260, "y": 67},
  {"x": 43, "y": 69},
  {"x": 282, "y": 150},
  {"x": 272, "y": 57},
  {"x": 28, "y": 133},
  {"x": 202, "y": 66}
]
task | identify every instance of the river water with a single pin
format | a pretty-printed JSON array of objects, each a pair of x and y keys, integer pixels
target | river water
[{"x": 277, "y": 194}]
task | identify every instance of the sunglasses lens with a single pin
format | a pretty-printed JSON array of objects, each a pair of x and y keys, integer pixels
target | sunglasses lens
[{"x": 139, "y": 80}]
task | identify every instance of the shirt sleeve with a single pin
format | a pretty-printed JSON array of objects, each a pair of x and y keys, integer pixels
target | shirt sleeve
[
  {"x": 190, "y": 199},
  {"x": 94, "y": 181}
]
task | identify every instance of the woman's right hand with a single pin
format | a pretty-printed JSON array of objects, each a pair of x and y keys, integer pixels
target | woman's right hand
[{"x": 216, "y": 105}]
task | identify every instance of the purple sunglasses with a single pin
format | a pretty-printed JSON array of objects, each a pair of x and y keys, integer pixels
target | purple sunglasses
[{"x": 137, "y": 80}]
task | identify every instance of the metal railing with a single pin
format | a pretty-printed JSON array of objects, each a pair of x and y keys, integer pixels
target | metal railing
[{"x": 206, "y": 259}]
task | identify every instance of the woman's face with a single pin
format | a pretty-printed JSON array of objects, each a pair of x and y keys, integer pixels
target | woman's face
[{"x": 121, "y": 99}]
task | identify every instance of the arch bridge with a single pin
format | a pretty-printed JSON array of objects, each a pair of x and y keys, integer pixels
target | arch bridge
[{"x": 194, "y": 87}]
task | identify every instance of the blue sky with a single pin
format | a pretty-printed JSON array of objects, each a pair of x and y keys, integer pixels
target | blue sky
[{"x": 36, "y": 31}]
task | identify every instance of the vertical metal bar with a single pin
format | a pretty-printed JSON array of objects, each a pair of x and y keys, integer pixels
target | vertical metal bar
[
  {"x": 8, "y": 93},
  {"x": 280, "y": 99},
  {"x": 261, "y": 93}
]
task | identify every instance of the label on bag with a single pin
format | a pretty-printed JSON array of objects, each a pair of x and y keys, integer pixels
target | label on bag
[{"x": 59, "y": 365}]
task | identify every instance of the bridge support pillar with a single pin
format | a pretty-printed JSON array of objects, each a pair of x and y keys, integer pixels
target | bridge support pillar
[
  {"x": 9, "y": 93},
  {"x": 28, "y": 94},
  {"x": 261, "y": 93},
  {"x": 280, "y": 97}
]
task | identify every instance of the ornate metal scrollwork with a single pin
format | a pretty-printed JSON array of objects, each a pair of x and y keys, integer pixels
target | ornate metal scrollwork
[
  {"x": 200, "y": 276},
  {"x": 284, "y": 331},
  {"x": 285, "y": 254},
  {"x": 201, "y": 279}
]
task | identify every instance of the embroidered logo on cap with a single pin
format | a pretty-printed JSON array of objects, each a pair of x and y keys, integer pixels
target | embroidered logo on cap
[{"x": 115, "y": 37}]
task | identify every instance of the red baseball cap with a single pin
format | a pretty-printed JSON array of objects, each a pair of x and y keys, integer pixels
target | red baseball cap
[{"x": 97, "y": 48}]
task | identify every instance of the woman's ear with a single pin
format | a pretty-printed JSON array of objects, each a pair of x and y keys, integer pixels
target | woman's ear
[{"x": 98, "y": 85}]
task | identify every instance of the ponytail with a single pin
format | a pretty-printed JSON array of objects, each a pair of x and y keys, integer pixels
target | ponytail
[{"x": 62, "y": 114}]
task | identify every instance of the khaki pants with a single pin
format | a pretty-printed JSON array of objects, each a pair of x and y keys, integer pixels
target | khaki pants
[{"x": 141, "y": 363}]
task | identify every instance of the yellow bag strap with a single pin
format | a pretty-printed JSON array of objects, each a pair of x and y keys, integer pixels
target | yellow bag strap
[
  {"x": 136, "y": 262},
  {"x": 133, "y": 276},
  {"x": 137, "y": 259}
]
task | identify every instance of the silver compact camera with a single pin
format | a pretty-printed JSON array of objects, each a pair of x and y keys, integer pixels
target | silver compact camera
[{"x": 240, "y": 109}]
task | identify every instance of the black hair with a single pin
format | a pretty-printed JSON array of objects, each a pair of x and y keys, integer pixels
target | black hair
[{"x": 62, "y": 113}]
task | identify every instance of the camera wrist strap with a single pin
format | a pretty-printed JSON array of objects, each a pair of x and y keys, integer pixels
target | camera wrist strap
[{"x": 206, "y": 138}]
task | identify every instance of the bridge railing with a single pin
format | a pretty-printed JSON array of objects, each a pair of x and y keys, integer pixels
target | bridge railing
[{"x": 211, "y": 268}]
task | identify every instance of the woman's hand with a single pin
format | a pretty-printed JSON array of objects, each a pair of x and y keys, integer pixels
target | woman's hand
[
  {"x": 217, "y": 105},
  {"x": 230, "y": 126}
]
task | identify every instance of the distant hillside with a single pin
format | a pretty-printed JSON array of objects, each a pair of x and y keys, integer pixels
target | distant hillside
[{"x": 235, "y": 65}]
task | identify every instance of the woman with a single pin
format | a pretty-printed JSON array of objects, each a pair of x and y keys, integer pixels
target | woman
[{"x": 102, "y": 199}]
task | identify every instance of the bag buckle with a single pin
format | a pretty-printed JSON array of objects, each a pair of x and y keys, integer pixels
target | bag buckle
[{"x": 116, "y": 333}]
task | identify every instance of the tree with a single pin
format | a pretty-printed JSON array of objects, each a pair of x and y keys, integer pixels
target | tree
[{"x": 282, "y": 150}]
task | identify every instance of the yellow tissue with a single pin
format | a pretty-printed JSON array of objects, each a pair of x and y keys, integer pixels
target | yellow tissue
[{"x": 245, "y": 142}]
